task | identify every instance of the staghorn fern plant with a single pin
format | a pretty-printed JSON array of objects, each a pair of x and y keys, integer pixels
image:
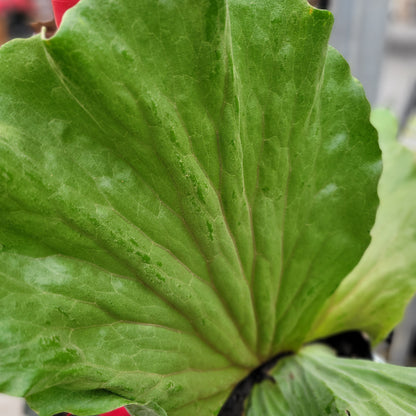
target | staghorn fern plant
[{"x": 187, "y": 192}]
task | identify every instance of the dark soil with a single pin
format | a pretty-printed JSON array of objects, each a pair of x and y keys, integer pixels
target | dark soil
[
  {"x": 350, "y": 344},
  {"x": 234, "y": 406}
]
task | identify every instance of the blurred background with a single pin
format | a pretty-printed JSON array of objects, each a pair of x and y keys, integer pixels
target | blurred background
[
  {"x": 21, "y": 18},
  {"x": 378, "y": 39}
]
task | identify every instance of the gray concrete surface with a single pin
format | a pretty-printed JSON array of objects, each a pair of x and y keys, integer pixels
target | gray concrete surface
[
  {"x": 359, "y": 34},
  {"x": 11, "y": 406},
  {"x": 398, "y": 72}
]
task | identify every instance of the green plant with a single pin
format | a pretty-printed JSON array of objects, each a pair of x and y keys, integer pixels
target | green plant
[{"x": 184, "y": 186}]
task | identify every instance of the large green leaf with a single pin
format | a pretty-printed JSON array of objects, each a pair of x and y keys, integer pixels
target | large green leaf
[
  {"x": 374, "y": 295},
  {"x": 316, "y": 383},
  {"x": 183, "y": 183}
]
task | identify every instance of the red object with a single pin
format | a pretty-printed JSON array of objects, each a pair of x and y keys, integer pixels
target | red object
[
  {"x": 59, "y": 8},
  {"x": 118, "y": 412}
]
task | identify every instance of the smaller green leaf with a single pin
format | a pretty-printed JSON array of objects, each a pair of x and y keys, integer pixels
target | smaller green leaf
[
  {"x": 81, "y": 403},
  {"x": 89, "y": 403},
  {"x": 315, "y": 382},
  {"x": 374, "y": 295}
]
